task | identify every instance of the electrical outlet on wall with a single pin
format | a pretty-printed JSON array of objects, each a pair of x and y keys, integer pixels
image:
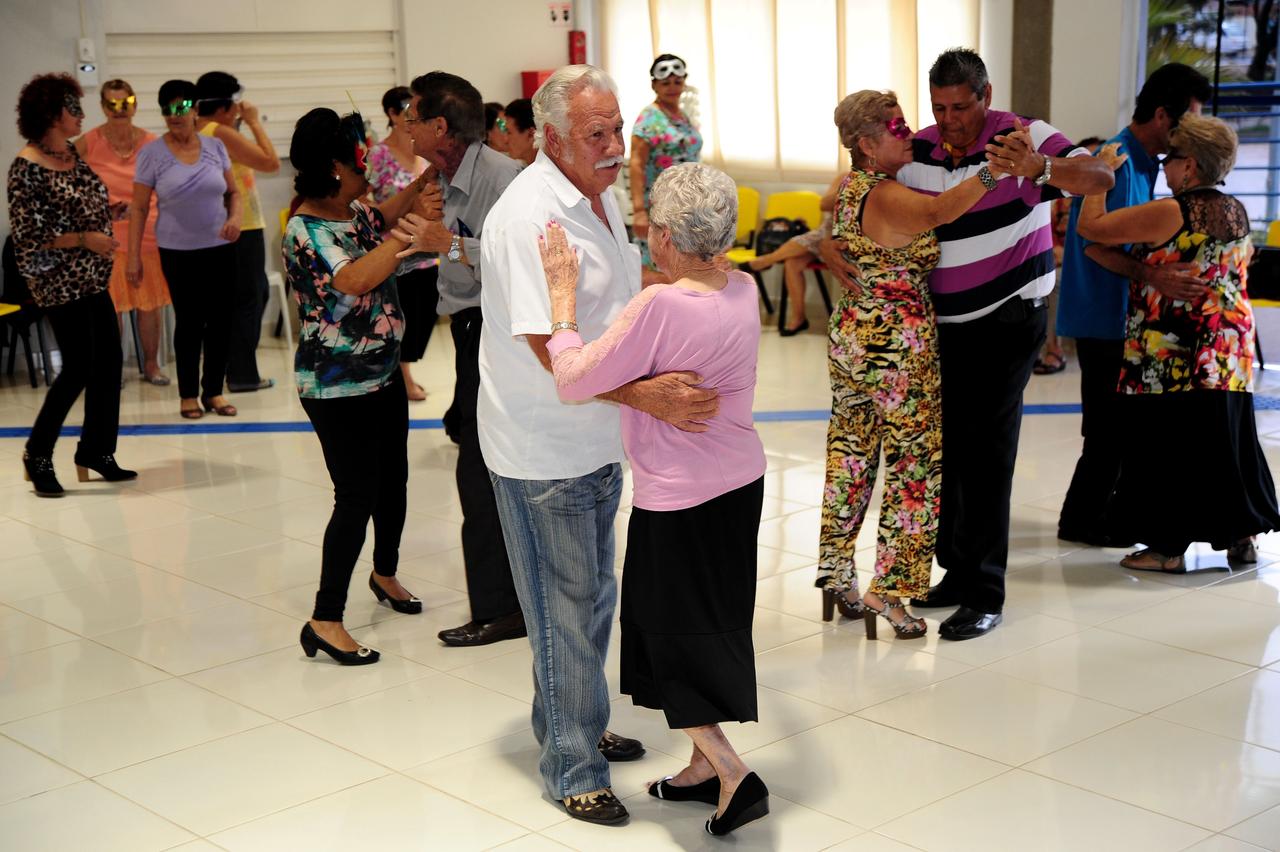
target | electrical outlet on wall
[{"x": 559, "y": 15}]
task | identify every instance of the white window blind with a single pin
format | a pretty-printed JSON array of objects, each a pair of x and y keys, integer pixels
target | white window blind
[{"x": 284, "y": 74}]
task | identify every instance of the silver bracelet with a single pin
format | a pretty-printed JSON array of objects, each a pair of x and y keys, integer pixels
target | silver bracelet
[{"x": 556, "y": 326}]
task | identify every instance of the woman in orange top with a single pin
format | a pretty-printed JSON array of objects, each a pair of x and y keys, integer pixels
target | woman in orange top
[{"x": 111, "y": 150}]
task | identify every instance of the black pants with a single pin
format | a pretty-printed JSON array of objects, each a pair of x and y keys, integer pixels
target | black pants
[
  {"x": 89, "y": 340},
  {"x": 250, "y": 300},
  {"x": 1087, "y": 508},
  {"x": 419, "y": 295},
  {"x": 986, "y": 364},
  {"x": 489, "y": 583},
  {"x": 201, "y": 285},
  {"x": 365, "y": 441}
]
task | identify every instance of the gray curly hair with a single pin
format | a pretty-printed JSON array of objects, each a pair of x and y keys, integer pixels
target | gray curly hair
[{"x": 698, "y": 205}]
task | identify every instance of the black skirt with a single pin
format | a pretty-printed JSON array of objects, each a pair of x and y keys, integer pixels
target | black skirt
[
  {"x": 1193, "y": 470},
  {"x": 688, "y": 598},
  {"x": 419, "y": 295}
]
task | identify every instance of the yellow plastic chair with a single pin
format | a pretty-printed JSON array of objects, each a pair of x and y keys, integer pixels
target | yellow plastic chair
[
  {"x": 806, "y": 206},
  {"x": 1273, "y": 233},
  {"x": 744, "y": 239}
]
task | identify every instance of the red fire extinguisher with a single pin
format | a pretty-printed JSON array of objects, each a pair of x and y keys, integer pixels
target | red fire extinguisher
[{"x": 577, "y": 47}]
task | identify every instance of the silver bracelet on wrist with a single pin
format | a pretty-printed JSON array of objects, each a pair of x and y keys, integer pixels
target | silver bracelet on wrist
[{"x": 557, "y": 326}]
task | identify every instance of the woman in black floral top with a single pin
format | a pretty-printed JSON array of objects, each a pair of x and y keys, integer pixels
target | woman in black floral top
[{"x": 63, "y": 240}]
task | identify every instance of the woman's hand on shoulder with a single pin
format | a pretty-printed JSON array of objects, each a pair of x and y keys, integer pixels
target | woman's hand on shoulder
[
  {"x": 559, "y": 260},
  {"x": 1110, "y": 154}
]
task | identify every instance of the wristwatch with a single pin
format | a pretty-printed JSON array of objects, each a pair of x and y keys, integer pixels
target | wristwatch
[
  {"x": 1047, "y": 174},
  {"x": 988, "y": 179},
  {"x": 455, "y": 249}
]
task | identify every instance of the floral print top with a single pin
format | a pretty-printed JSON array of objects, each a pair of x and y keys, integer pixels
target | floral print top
[
  {"x": 1206, "y": 344},
  {"x": 347, "y": 345},
  {"x": 670, "y": 142},
  {"x": 386, "y": 178}
]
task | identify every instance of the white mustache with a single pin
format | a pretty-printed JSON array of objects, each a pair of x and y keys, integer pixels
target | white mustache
[{"x": 609, "y": 163}]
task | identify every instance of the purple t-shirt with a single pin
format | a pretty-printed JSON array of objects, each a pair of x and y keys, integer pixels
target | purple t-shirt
[{"x": 189, "y": 198}]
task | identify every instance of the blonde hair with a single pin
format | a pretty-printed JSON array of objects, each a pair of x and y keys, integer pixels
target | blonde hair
[
  {"x": 123, "y": 85},
  {"x": 862, "y": 116},
  {"x": 1210, "y": 142}
]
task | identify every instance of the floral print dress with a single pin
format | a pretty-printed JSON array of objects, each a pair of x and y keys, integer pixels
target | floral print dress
[
  {"x": 1207, "y": 344},
  {"x": 886, "y": 395},
  {"x": 670, "y": 141}
]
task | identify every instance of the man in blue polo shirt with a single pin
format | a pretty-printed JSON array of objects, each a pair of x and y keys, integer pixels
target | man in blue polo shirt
[{"x": 1093, "y": 302}]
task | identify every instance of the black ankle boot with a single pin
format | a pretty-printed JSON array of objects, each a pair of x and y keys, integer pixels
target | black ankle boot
[
  {"x": 39, "y": 472},
  {"x": 103, "y": 464}
]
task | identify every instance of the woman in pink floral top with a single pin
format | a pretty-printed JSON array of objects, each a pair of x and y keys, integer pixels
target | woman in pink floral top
[
  {"x": 1195, "y": 470},
  {"x": 662, "y": 137}
]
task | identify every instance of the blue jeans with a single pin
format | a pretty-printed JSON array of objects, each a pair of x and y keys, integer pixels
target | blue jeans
[{"x": 559, "y": 536}]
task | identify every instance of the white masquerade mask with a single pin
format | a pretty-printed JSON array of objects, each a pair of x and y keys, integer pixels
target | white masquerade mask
[{"x": 669, "y": 67}]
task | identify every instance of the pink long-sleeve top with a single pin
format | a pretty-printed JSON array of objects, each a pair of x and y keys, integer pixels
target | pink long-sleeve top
[{"x": 668, "y": 328}]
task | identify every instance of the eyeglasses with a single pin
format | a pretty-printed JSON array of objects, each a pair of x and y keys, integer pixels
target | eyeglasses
[
  {"x": 119, "y": 104},
  {"x": 1169, "y": 158},
  {"x": 669, "y": 68},
  {"x": 177, "y": 107},
  {"x": 72, "y": 104},
  {"x": 898, "y": 128}
]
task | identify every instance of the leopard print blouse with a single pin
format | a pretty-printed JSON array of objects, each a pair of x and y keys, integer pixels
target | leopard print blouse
[{"x": 45, "y": 204}]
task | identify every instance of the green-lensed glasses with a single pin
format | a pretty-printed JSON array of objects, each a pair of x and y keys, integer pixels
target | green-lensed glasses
[{"x": 177, "y": 107}]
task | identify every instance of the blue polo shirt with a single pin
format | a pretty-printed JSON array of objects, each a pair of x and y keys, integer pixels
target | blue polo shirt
[{"x": 1094, "y": 301}]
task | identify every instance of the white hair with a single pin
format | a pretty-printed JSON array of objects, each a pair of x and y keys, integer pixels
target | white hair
[
  {"x": 551, "y": 101},
  {"x": 698, "y": 205}
]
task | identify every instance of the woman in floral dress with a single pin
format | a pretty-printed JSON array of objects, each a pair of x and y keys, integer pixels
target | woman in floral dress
[
  {"x": 662, "y": 137},
  {"x": 884, "y": 370},
  {"x": 1194, "y": 470}
]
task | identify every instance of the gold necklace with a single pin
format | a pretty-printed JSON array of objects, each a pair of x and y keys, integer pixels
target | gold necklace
[{"x": 115, "y": 150}]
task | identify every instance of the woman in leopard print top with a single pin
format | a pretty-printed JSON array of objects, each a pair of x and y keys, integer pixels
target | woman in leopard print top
[{"x": 64, "y": 246}]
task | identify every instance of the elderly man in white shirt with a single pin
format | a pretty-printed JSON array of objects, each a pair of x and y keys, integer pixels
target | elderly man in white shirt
[{"x": 556, "y": 466}]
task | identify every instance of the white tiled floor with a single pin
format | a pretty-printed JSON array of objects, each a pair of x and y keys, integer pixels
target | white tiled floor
[{"x": 153, "y": 695}]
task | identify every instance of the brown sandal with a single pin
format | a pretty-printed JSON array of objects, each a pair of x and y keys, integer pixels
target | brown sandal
[
  {"x": 191, "y": 413},
  {"x": 1151, "y": 560},
  {"x": 224, "y": 410}
]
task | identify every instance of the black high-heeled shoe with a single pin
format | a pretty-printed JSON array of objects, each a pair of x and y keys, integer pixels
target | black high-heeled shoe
[
  {"x": 311, "y": 643},
  {"x": 104, "y": 465},
  {"x": 412, "y": 606},
  {"x": 750, "y": 802},
  {"x": 705, "y": 791},
  {"x": 833, "y": 599},
  {"x": 38, "y": 470}
]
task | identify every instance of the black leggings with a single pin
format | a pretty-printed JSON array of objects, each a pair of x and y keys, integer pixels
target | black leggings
[
  {"x": 365, "y": 441},
  {"x": 89, "y": 340},
  {"x": 202, "y": 286},
  {"x": 248, "y": 302}
]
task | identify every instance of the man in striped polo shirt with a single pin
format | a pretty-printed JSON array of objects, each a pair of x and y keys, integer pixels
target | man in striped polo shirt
[{"x": 989, "y": 293}]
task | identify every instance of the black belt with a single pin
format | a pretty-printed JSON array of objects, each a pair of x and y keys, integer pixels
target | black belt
[{"x": 1017, "y": 310}]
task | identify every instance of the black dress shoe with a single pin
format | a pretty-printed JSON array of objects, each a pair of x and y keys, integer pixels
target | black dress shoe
[
  {"x": 967, "y": 623},
  {"x": 938, "y": 596},
  {"x": 408, "y": 606},
  {"x": 311, "y": 642},
  {"x": 486, "y": 633},
  {"x": 618, "y": 749},
  {"x": 750, "y": 801},
  {"x": 707, "y": 791},
  {"x": 792, "y": 332},
  {"x": 600, "y": 807}
]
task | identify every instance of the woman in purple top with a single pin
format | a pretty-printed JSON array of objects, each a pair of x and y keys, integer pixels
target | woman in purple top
[
  {"x": 689, "y": 578},
  {"x": 197, "y": 224}
]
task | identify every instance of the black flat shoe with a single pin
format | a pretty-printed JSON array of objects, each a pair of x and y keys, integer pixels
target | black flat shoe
[
  {"x": 937, "y": 597},
  {"x": 707, "y": 791},
  {"x": 750, "y": 802},
  {"x": 311, "y": 643},
  {"x": 966, "y": 623},
  {"x": 618, "y": 749},
  {"x": 104, "y": 465},
  {"x": 38, "y": 470},
  {"x": 792, "y": 332},
  {"x": 485, "y": 633},
  {"x": 412, "y": 606}
]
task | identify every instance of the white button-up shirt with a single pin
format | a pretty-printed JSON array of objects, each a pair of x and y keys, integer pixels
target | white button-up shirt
[{"x": 526, "y": 432}]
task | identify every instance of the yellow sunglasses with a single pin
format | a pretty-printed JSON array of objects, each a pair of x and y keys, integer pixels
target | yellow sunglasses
[{"x": 119, "y": 104}]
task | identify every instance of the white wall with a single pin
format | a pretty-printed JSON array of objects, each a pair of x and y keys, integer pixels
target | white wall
[{"x": 1095, "y": 61}]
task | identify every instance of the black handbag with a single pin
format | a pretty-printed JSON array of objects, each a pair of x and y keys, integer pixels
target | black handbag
[{"x": 774, "y": 232}]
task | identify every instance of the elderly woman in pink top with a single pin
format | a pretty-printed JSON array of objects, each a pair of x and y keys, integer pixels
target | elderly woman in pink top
[{"x": 688, "y": 582}]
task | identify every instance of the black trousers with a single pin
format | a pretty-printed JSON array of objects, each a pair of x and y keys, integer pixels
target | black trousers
[
  {"x": 489, "y": 583},
  {"x": 419, "y": 294},
  {"x": 986, "y": 364},
  {"x": 1087, "y": 509},
  {"x": 89, "y": 339},
  {"x": 250, "y": 300},
  {"x": 365, "y": 441},
  {"x": 201, "y": 284}
]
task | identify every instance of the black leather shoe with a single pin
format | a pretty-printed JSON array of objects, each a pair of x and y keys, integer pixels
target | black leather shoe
[
  {"x": 477, "y": 633},
  {"x": 619, "y": 749},
  {"x": 104, "y": 465},
  {"x": 967, "y": 623},
  {"x": 38, "y": 470},
  {"x": 311, "y": 642},
  {"x": 938, "y": 596},
  {"x": 408, "y": 606},
  {"x": 600, "y": 807},
  {"x": 750, "y": 802},
  {"x": 707, "y": 791}
]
